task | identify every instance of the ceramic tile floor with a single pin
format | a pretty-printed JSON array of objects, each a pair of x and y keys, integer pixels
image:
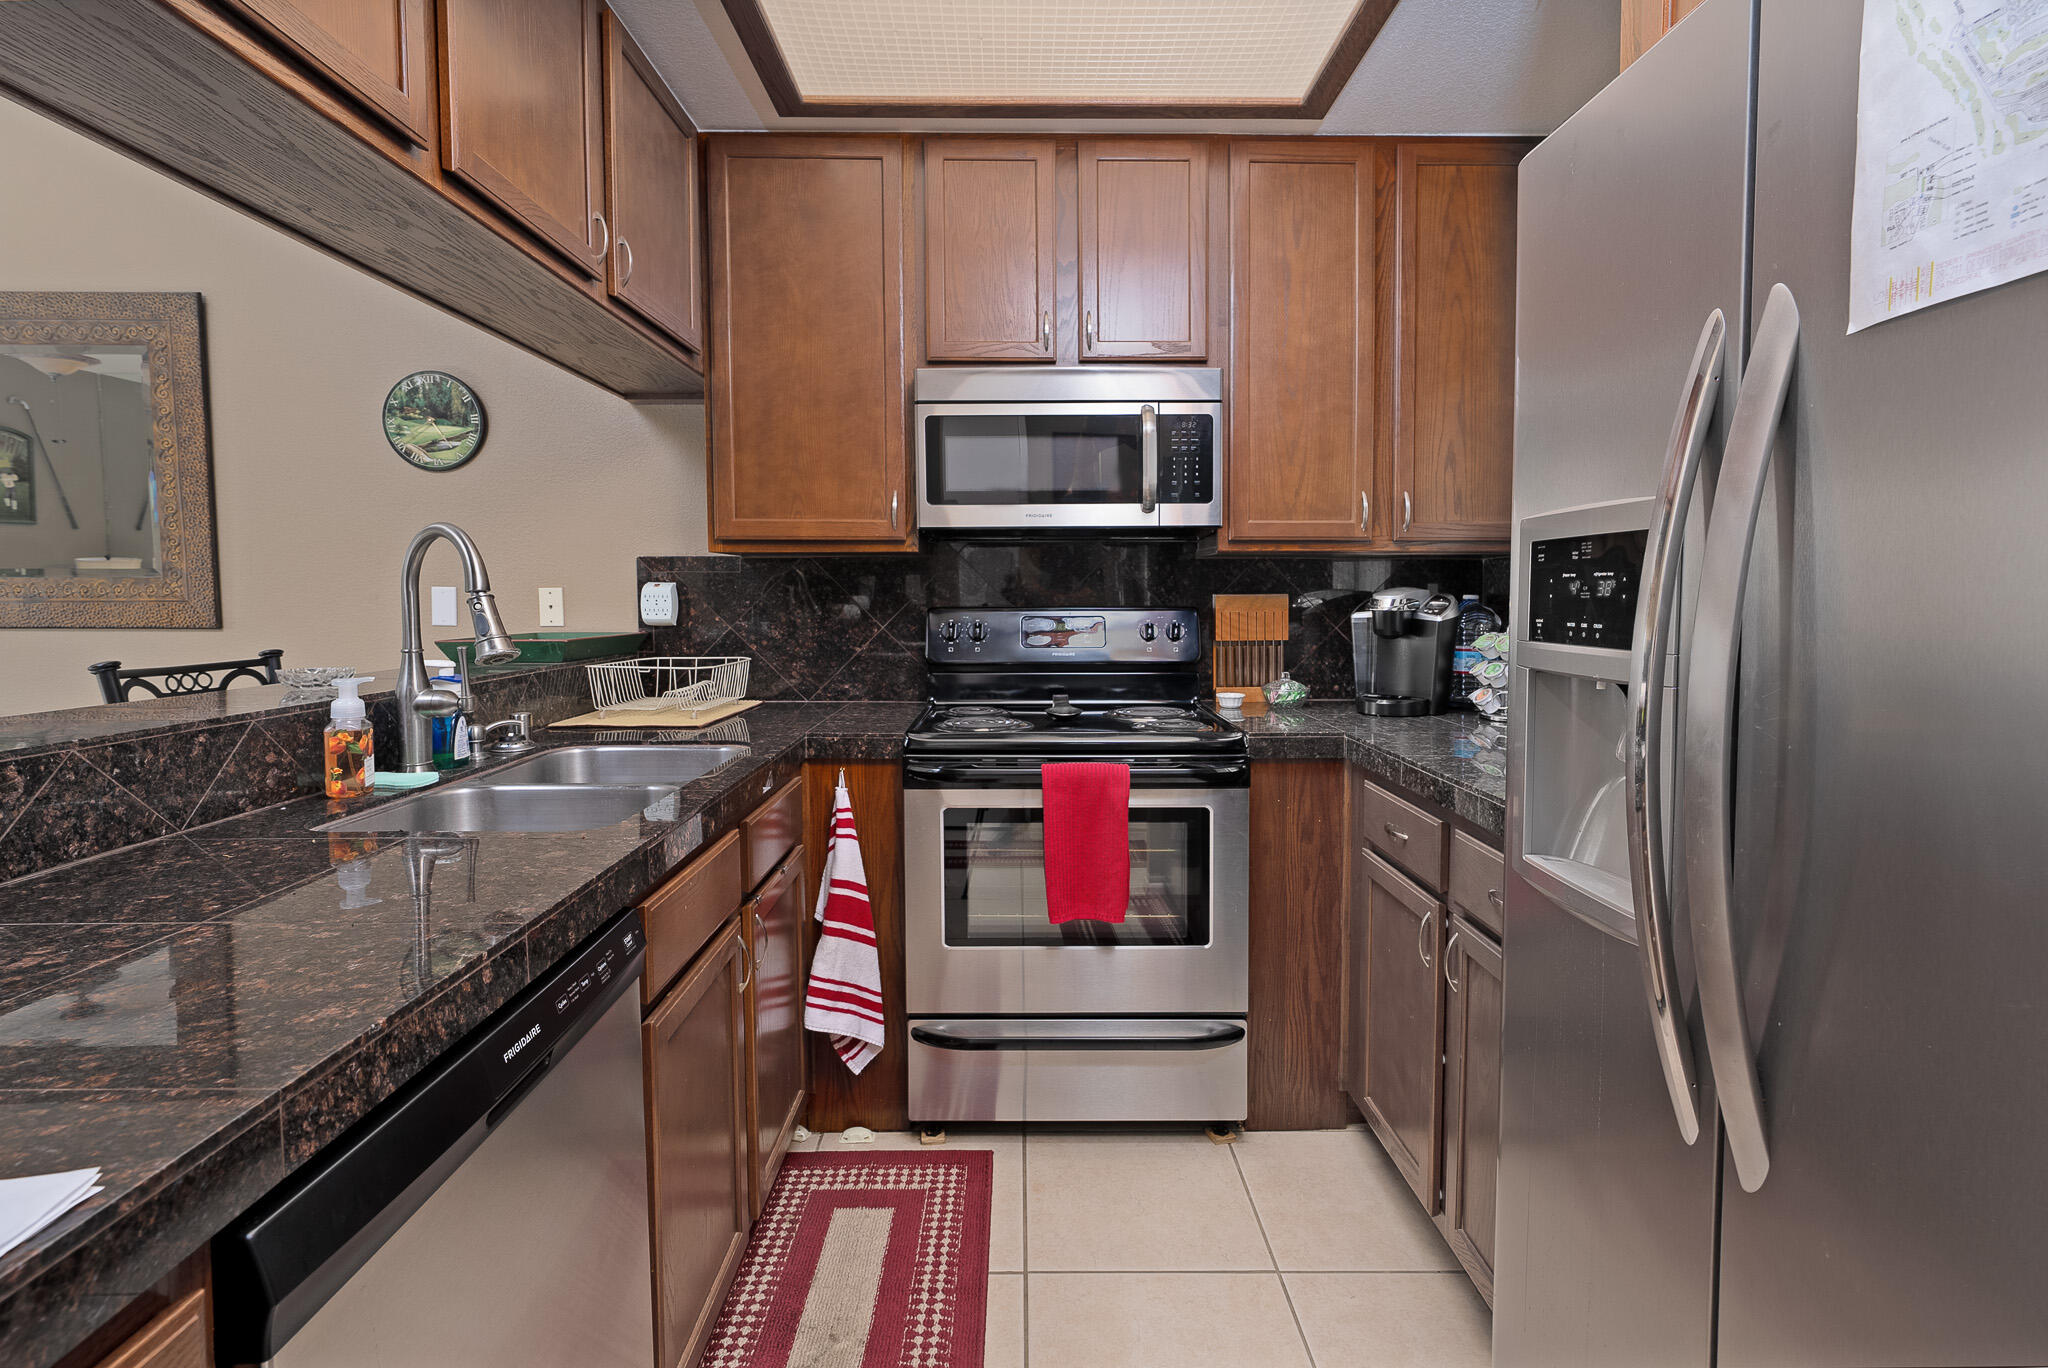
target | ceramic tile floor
[{"x": 1157, "y": 1249}]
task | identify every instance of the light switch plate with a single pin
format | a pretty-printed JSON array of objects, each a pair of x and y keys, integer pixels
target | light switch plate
[
  {"x": 444, "y": 605},
  {"x": 658, "y": 605},
  {"x": 550, "y": 607}
]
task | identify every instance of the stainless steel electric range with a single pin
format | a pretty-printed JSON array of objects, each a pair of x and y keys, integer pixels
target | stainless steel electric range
[{"x": 1013, "y": 1018}]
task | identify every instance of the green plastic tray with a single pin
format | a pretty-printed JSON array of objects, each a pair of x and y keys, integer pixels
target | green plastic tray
[{"x": 552, "y": 648}]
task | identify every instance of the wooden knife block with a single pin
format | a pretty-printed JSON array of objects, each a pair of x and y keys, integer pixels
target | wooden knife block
[{"x": 1250, "y": 646}]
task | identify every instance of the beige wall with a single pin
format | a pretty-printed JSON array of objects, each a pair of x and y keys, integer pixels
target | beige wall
[{"x": 313, "y": 508}]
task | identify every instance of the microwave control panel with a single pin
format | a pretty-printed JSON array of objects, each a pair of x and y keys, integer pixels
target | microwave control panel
[
  {"x": 1187, "y": 457},
  {"x": 1582, "y": 590}
]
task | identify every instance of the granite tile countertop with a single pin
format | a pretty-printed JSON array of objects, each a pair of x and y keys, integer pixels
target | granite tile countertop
[
  {"x": 200, "y": 1014},
  {"x": 1456, "y": 760}
]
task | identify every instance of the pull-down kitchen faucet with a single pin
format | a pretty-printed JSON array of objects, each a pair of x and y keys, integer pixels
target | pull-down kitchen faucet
[{"x": 418, "y": 704}]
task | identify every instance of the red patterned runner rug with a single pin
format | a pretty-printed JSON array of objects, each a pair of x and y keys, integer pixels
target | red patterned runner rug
[{"x": 876, "y": 1260}]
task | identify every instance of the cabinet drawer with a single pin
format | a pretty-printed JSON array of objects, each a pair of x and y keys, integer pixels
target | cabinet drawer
[
  {"x": 773, "y": 831},
  {"x": 1405, "y": 834},
  {"x": 175, "y": 1339},
  {"x": 682, "y": 914},
  {"x": 1479, "y": 881}
]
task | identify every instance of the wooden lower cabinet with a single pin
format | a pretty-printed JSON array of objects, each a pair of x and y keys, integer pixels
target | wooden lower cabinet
[
  {"x": 774, "y": 922},
  {"x": 1471, "y": 1148},
  {"x": 177, "y": 1338},
  {"x": 698, "y": 1152},
  {"x": 1398, "y": 951}
]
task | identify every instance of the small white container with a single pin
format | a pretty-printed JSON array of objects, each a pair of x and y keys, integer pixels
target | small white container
[{"x": 1230, "y": 703}]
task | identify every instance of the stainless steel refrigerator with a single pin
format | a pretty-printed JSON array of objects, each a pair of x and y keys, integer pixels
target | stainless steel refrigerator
[{"x": 1775, "y": 1081}]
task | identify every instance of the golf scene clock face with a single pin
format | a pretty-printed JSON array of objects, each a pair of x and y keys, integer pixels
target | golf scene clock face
[{"x": 433, "y": 420}]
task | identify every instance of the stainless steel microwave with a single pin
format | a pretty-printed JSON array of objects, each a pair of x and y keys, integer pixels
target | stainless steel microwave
[{"x": 1063, "y": 447}]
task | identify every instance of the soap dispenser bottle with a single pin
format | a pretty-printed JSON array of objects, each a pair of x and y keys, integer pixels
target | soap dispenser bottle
[{"x": 348, "y": 753}]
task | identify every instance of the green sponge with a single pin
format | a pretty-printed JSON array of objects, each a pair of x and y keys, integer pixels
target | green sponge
[{"x": 400, "y": 779}]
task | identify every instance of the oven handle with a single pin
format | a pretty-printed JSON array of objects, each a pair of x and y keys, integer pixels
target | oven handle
[
  {"x": 1003, "y": 1035},
  {"x": 1218, "y": 773}
]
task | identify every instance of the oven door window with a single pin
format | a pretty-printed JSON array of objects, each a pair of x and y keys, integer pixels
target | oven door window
[
  {"x": 985, "y": 458},
  {"x": 995, "y": 880}
]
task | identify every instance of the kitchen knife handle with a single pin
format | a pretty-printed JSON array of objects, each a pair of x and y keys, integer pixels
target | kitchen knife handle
[
  {"x": 1656, "y": 598},
  {"x": 1707, "y": 814}
]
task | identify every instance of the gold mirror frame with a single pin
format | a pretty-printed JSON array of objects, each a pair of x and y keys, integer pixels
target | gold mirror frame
[{"x": 185, "y": 592}]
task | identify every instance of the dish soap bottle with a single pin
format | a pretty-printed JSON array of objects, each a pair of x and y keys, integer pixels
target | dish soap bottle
[{"x": 348, "y": 752}]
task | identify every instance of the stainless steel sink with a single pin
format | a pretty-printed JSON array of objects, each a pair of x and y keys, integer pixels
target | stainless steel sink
[
  {"x": 617, "y": 765},
  {"x": 516, "y": 807}
]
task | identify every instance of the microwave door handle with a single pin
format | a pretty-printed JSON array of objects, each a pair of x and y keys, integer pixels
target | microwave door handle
[
  {"x": 1148, "y": 424},
  {"x": 1654, "y": 604},
  {"x": 1707, "y": 810}
]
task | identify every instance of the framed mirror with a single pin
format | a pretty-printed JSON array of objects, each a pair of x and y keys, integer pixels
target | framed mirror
[{"x": 106, "y": 463}]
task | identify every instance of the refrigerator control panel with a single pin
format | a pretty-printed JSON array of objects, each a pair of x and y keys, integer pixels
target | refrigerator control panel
[{"x": 1582, "y": 590}]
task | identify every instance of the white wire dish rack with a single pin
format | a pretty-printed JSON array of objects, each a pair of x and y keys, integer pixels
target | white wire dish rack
[{"x": 684, "y": 684}]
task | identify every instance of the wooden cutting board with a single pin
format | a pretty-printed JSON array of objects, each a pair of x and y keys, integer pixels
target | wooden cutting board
[{"x": 665, "y": 719}]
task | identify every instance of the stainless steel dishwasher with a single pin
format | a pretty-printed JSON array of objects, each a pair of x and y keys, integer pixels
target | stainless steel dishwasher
[{"x": 492, "y": 1214}]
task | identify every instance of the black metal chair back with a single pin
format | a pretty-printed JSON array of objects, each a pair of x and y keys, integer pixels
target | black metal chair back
[{"x": 164, "y": 681}]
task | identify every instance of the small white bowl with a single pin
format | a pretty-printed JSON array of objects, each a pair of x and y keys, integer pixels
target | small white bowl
[{"x": 1230, "y": 702}]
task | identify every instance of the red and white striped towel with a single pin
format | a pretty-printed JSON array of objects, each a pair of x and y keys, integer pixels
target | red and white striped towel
[{"x": 844, "y": 999}]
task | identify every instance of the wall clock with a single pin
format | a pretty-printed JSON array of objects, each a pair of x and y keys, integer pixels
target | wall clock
[{"x": 433, "y": 420}]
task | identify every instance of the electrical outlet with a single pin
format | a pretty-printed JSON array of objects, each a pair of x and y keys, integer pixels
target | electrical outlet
[
  {"x": 550, "y": 607},
  {"x": 444, "y": 605}
]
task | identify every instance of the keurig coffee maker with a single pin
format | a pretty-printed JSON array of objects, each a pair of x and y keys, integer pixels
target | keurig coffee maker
[{"x": 1401, "y": 645}]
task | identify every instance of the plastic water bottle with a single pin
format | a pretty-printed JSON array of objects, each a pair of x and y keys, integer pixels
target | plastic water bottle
[{"x": 1475, "y": 620}]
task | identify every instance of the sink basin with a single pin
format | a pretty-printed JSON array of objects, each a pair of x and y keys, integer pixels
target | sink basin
[
  {"x": 618, "y": 765},
  {"x": 515, "y": 807}
]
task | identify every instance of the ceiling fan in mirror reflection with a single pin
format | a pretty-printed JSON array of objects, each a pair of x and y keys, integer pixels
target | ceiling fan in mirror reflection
[{"x": 433, "y": 420}]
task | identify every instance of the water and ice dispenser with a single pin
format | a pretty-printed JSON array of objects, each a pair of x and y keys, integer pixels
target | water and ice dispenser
[{"x": 1577, "y": 574}]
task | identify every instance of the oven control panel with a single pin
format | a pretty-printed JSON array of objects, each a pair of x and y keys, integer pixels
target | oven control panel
[{"x": 1003, "y": 636}]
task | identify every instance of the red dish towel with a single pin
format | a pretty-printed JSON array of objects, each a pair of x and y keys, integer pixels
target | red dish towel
[
  {"x": 844, "y": 999},
  {"x": 1087, "y": 842}
]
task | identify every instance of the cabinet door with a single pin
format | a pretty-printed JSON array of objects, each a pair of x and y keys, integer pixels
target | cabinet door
[
  {"x": 176, "y": 1338},
  {"x": 374, "y": 49},
  {"x": 524, "y": 115},
  {"x": 1454, "y": 355},
  {"x": 695, "y": 1057},
  {"x": 1472, "y": 972},
  {"x": 1144, "y": 249},
  {"x": 775, "y": 1013},
  {"x": 1404, "y": 992},
  {"x": 1300, "y": 461},
  {"x": 1357, "y": 940},
  {"x": 652, "y": 192},
  {"x": 808, "y": 413},
  {"x": 989, "y": 256}
]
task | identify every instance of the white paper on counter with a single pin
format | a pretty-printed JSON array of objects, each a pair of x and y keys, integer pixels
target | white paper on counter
[{"x": 29, "y": 1204}]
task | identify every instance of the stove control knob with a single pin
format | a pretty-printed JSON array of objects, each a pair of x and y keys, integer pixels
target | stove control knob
[
  {"x": 1175, "y": 631},
  {"x": 978, "y": 631},
  {"x": 1148, "y": 631},
  {"x": 951, "y": 631}
]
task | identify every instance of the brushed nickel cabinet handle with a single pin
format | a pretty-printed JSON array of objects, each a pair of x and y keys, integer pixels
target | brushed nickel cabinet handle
[
  {"x": 1088, "y": 328},
  {"x": 746, "y": 966},
  {"x": 604, "y": 233},
  {"x": 1045, "y": 329},
  {"x": 1451, "y": 960},
  {"x": 1422, "y": 937},
  {"x": 1407, "y": 512},
  {"x": 1364, "y": 511},
  {"x": 1395, "y": 832},
  {"x": 895, "y": 501},
  {"x": 625, "y": 262},
  {"x": 1493, "y": 896}
]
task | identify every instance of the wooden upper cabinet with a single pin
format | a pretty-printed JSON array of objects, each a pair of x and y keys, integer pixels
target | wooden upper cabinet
[
  {"x": 1454, "y": 353},
  {"x": 1144, "y": 206},
  {"x": 376, "y": 50},
  {"x": 989, "y": 249},
  {"x": 651, "y": 192},
  {"x": 808, "y": 406},
  {"x": 1303, "y": 289},
  {"x": 523, "y": 115}
]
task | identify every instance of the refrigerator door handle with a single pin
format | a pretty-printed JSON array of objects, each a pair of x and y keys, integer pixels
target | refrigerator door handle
[
  {"x": 1654, "y": 604},
  {"x": 1708, "y": 782}
]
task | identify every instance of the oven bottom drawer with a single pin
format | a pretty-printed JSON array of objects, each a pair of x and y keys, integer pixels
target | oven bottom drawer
[{"x": 1078, "y": 1069}]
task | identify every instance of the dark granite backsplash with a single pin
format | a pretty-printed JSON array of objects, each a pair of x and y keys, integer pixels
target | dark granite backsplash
[
  {"x": 830, "y": 627},
  {"x": 62, "y": 802}
]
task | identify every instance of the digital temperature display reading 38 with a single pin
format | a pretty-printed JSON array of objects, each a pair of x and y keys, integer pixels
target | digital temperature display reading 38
[{"x": 1582, "y": 590}]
